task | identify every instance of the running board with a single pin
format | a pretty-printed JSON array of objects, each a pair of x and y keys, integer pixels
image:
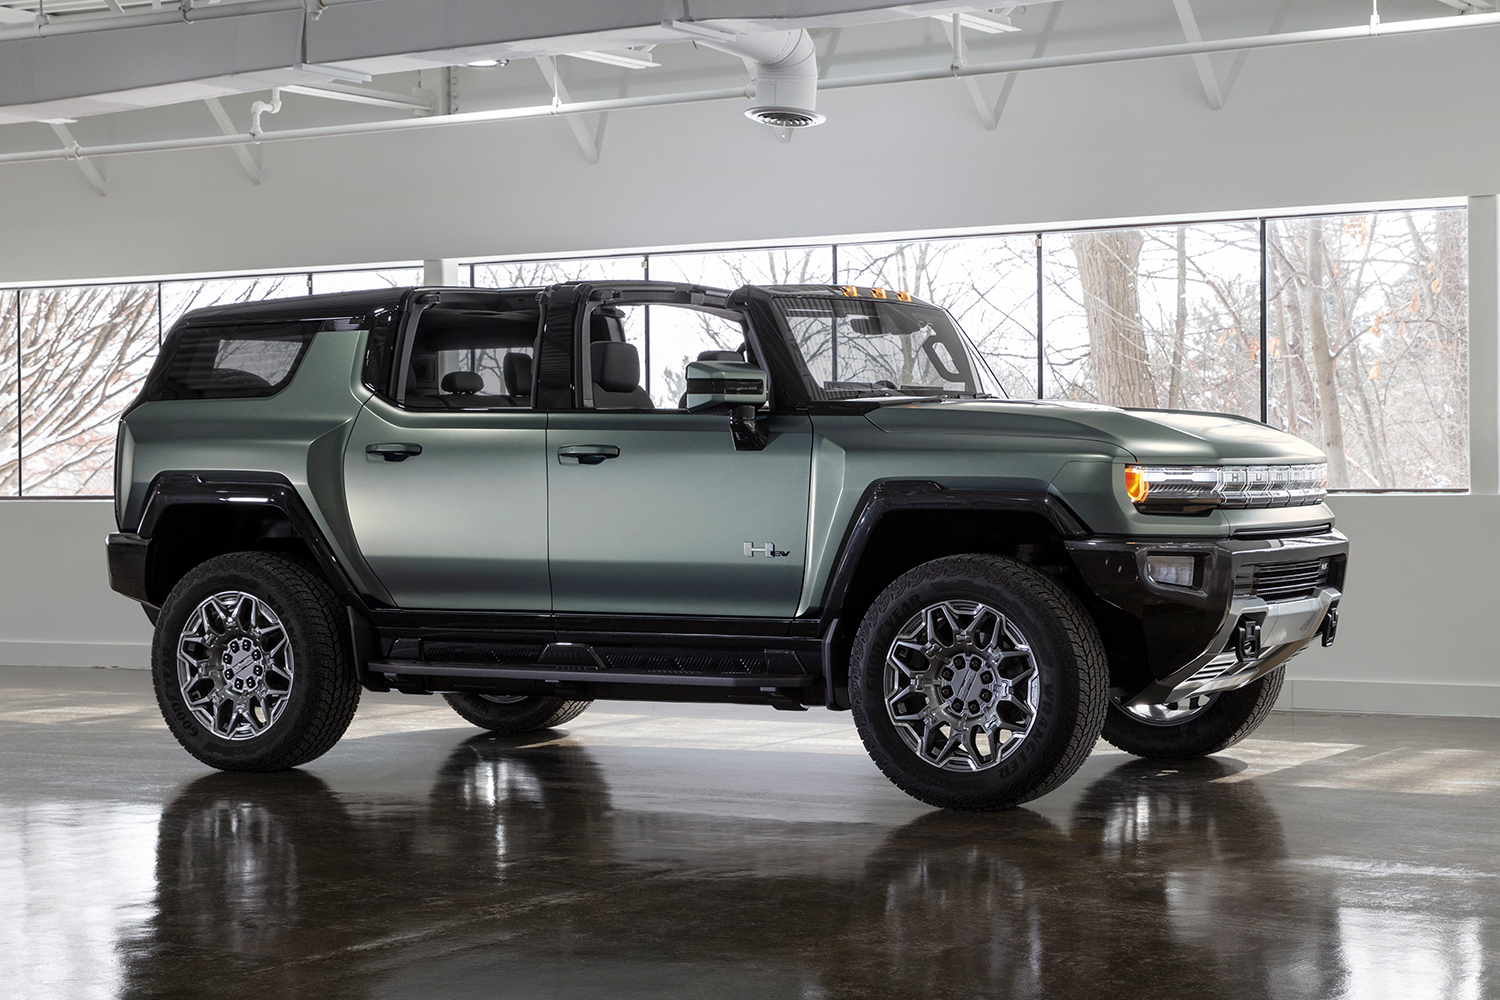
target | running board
[{"x": 422, "y": 668}]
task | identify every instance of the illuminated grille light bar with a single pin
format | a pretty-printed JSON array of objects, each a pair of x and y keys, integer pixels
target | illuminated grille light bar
[{"x": 1193, "y": 489}]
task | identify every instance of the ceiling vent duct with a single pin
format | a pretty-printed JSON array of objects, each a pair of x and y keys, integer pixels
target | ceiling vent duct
[{"x": 786, "y": 75}]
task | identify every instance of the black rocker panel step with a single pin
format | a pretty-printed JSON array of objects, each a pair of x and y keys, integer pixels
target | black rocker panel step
[{"x": 428, "y": 668}]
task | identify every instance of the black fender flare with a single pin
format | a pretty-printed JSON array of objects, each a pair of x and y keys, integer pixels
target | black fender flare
[
  {"x": 130, "y": 553},
  {"x": 885, "y": 496}
]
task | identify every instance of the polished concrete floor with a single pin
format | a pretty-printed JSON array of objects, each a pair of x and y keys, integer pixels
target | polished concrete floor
[{"x": 643, "y": 853}]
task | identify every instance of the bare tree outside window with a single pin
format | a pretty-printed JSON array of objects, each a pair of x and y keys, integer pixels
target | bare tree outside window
[
  {"x": 1367, "y": 331},
  {"x": 541, "y": 273},
  {"x": 987, "y": 284},
  {"x": 179, "y": 297},
  {"x": 84, "y": 353},
  {"x": 1368, "y": 344},
  {"x": 1158, "y": 317},
  {"x": 324, "y": 282},
  {"x": 10, "y": 395},
  {"x": 677, "y": 336}
]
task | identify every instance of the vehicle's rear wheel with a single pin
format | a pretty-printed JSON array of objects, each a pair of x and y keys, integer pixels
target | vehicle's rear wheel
[
  {"x": 251, "y": 663},
  {"x": 1184, "y": 731},
  {"x": 515, "y": 713},
  {"x": 977, "y": 683}
]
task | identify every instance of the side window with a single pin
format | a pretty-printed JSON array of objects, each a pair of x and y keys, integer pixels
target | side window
[
  {"x": 226, "y": 362},
  {"x": 469, "y": 359},
  {"x": 665, "y": 339}
]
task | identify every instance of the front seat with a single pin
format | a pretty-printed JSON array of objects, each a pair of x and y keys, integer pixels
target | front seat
[{"x": 616, "y": 369}]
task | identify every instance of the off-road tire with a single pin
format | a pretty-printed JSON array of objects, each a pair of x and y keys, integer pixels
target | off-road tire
[
  {"x": 1067, "y": 651},
  {"x": 324, "y": 691},
  {"x": 1233, "y": 716},
  {"x": 525, "y": 716}
]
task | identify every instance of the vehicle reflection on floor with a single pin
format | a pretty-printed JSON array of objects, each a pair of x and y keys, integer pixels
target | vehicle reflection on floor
[{"x": 518, "y": 876}]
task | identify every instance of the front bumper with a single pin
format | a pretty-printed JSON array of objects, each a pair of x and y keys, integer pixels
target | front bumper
[{"x": 1218, "y": 634}]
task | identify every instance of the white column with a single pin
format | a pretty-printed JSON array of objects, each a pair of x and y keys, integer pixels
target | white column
[
  {"x": 1484, "y": 344},
  {"x": 445, "y": 272}
]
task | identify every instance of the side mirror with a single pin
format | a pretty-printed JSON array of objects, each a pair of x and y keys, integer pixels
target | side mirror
[
  {"x": 737, "y": 387},
  {"x": 721, "y": 385}
]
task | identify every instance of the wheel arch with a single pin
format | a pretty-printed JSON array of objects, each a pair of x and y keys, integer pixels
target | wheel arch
[
  {"x": 900, "y": 524},
  {"x": 191, "y": 517}
]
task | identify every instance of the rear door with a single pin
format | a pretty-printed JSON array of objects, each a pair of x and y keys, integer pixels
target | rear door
[{"x": 447, "y": 492}]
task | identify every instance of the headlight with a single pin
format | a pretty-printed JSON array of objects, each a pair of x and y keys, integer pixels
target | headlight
[{"x": 1193, "y": 489}]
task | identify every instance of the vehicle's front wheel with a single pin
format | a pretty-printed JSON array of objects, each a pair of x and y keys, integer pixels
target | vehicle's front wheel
[
  {"x": 977, "y": 682},
  {"x": 1204, "y": 725},
  {"x": 251, "y": 663},
  {"x": 515, "y": 713}
]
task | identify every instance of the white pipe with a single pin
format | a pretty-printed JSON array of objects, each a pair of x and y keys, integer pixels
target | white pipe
[
  {"x": 786, "y": 73},
  {"x": 366, "y": 128},
  {"x": 264, "y": 107},
  {"x": 665, "y": 100}
]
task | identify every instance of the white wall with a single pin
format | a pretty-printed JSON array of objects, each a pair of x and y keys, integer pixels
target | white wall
[
  {"x": 1370, "y": 120},
  {"x": 1413, "y": 633},
  {"x": 56, "y": 608}
]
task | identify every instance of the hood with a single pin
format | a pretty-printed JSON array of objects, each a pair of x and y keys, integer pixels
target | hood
[{"x": 1166, "y": 437}]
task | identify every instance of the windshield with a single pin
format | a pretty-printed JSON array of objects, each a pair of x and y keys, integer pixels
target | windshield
[{"x": 860, "y": 347}]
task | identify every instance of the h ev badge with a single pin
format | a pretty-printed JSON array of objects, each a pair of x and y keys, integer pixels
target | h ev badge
[{"x": 769, "y": 550}]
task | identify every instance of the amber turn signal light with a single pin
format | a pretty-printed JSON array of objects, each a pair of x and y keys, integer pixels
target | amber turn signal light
[{"x": 1135, "y": 483}]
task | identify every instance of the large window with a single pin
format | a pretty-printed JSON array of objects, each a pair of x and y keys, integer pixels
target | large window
[
  {"x": 1368, "y": 344},
  {"x": 1161, "y": 317},
  {"x": 84, "y": 354},
  {"x": 1350, "y": 331}
]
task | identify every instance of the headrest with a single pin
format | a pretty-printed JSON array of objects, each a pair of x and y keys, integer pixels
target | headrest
[
  {"x": 616, "y": 366},
  {"x": 517, "y": 370},
  {"x": 462, "y": 382},
  {"x": 604, "y": 322},
  {"x": 719, "y": 356}
]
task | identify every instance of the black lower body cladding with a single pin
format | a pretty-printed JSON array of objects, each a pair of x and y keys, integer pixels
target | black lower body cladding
[{"x": 1180, "y": 623}]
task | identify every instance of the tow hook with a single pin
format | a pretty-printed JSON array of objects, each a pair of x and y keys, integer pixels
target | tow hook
[
  {"x": 1330, "y": 627},
  {"x": 1247, "y": 640}
]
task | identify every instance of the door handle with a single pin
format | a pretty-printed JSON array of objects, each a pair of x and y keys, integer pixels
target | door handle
[
  {"x": 393, "y": 451},
  {"x": 586, "y": 454}
]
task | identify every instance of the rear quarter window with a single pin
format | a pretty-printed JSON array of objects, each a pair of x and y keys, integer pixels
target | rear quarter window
[{"x": 226, "y": 362}]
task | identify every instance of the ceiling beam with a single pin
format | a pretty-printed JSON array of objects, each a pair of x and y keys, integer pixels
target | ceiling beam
[
  {"x": 336, "y": 91},
  {"x": 90, "y": 172},
  {"x": 1206, "y": 74},
  {"x": 588, "y": 141},
  {"x": 242, "y": 151}
]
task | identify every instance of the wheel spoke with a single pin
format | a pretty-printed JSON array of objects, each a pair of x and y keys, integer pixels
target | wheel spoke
[
  {"x": 959, "y": 676},
  {"x": 234, "y": 665}
]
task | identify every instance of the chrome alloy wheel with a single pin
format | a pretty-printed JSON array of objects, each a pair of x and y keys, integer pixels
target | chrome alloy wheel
[
  {"x": 961, "y": 685},
  {"x": 234, "y": 663},
  {"x": 1173, "y": 713}
]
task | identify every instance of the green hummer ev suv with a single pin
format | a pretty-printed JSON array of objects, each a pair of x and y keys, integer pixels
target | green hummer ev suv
[{"x": 819, "y": 497}]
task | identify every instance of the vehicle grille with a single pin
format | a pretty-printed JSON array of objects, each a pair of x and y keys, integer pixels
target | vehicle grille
[{"x": 1288, "y": 581}]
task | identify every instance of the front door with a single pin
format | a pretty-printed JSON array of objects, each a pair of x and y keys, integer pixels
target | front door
[
  {"x": 675, "y": 521},
  {"x": 650, "y": 509}
]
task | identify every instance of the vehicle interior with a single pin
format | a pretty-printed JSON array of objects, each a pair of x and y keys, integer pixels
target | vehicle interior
[{"x": 478, "y": 355}]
